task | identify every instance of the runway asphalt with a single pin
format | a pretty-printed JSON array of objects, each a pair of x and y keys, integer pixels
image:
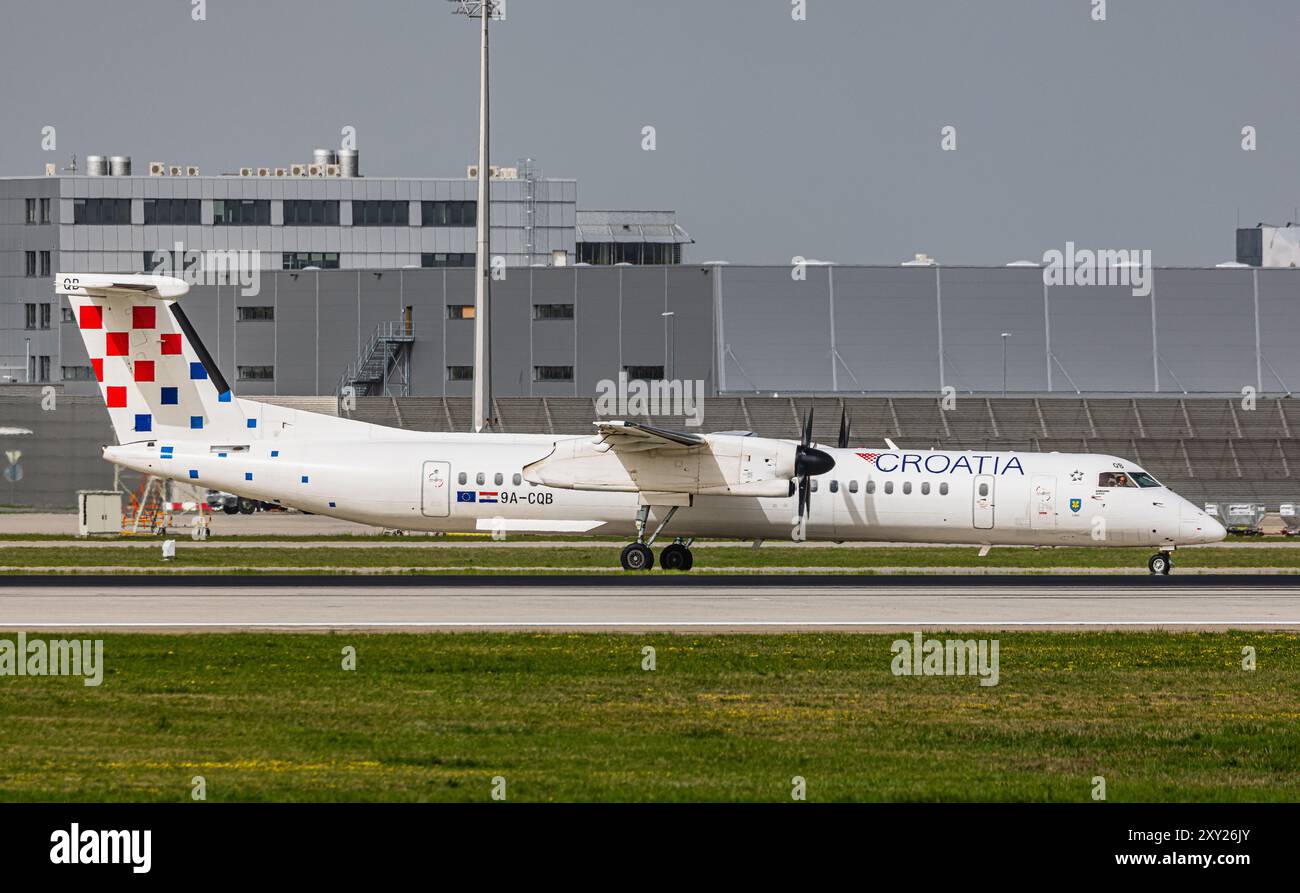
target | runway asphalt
[{"x": 651, "y": 603}]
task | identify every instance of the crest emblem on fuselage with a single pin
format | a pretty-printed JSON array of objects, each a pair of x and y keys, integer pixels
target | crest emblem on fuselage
[{"x": 1076, "y": 505}]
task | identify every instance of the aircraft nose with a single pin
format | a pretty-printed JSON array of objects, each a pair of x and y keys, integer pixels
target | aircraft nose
[{"x": 1198, "y": 527}]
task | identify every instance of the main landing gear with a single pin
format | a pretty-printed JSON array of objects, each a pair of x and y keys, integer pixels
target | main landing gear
[
  {"x": 1161, "y": 563},
  {"x": 638, "y": 556}
]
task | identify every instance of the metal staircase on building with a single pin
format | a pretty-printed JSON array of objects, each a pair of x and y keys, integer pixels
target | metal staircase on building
[{"x": 383, "y": 368}]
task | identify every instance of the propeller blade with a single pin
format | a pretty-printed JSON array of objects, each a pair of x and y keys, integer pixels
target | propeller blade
[
  {"x": 844, "y": 430},
  {"x": 807, "y": 428}
]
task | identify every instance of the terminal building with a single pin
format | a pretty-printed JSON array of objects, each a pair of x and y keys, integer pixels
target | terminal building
[{"x": 108, "y": 216}]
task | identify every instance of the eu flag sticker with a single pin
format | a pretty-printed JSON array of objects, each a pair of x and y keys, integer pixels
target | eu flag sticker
[
  {"x": 1075, "y": 505},
  {"x": 466, "y": 496}
]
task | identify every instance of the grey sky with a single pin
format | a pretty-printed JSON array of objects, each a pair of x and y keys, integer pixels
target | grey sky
[{"x": 775, "y": 137}]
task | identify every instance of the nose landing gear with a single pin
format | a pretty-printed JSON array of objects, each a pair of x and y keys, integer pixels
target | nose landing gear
[{"x": 1161, "y": 563}]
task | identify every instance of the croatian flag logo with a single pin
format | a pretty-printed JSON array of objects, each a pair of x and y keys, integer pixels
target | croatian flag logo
[
  {"x": 487, "y": 496},
  {"x": 465, "y": 496},
  {"x": 869, "y": 457}
]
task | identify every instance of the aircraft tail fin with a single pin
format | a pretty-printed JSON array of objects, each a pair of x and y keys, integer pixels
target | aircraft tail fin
[{"x": 156, "y": 377}]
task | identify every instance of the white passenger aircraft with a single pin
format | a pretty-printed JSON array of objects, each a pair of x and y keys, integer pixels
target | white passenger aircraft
[{"x": 175, "y": 417}]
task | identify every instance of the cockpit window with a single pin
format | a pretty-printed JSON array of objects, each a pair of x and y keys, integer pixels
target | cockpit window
[
  {"x": 1145, "y": 480},
  {"x": 1115, "y": 479}
]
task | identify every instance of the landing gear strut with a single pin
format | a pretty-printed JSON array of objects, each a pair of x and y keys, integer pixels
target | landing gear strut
[
  {"x": 1161, "y": 563},
  {"x": 639, "y": 557}
]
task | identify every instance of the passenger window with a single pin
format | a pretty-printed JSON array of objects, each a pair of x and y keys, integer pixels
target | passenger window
[
  {"x": 517, "y": 479},
  {"x": 1114, "y": 479},
  {"x": 984, "y": 489},
  {"x": 889, "y": 486},
  {"x": 925, "y": 489},
  {"x": 498, "y": 480},
  {"x": 907, "y": 488},
  {"x": 943, "y": 489},
  {"x": 479, "y": 478},
  {"x": 853, "y": 486},
  {"x": 835, "y": 486},
  {"x": 871, "y": 486},
  {"x": 814, "y": 485},
  {"x": 461, "y": 478}
]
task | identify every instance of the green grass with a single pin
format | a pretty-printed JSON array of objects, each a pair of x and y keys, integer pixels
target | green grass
[
  {"x": 489, "y": 557},
  {"x": 574, "y": 718}
]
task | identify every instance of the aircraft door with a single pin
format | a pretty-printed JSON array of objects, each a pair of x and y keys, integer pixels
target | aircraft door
[
  {"x": 1042, "y": 502},
  {"x": 982, "y": 499},
  {"x": 436, "y": 484}
]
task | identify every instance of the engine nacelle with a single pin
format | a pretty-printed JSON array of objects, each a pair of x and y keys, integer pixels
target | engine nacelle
[{"x": 725, "y": 465}]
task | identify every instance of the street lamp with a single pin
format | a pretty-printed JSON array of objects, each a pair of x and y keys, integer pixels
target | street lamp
[
  {"x": 485, "y": 10},
  {"x": 1005, "y": 336},
  {"x": 670, "y": 322}
]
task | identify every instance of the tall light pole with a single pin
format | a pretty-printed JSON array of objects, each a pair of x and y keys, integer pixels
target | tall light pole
[
  {"x": 1005, "y": 336},
  {"x": 484, "y": 10}
]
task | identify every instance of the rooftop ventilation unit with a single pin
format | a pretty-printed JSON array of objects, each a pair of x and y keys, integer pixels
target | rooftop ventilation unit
[
  {"x": 331, "y": 170},
  {"x": 506, "y": 173},
  {"x": 297, "y": 170},
  {"x": 281, "y": 172},
  {"x": 315, "y": 170},
  {"x": 192, "y": 170},
  {"x": 245, "y": 172},
  {"x": 264, "y": 172},
  {"x": 175, "y": 170},
  {"x": 157, "y": 169}
]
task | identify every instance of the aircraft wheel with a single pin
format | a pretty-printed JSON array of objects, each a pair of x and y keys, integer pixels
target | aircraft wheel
[
  {"x": 1160, "y": 564},
  {"x": 690, "y": 560},
  {"x": 637, "y": 557},
  {"x": 675, "y": 558},
  {"x": 230, "y": 509},
  {"x": 247, "y": 506}
]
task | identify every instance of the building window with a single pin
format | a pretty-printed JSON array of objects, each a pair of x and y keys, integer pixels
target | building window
[
  {"x": 256, "y": 373},
  {"x": 381, "y": 213},
  {"x": 68, "y": 315},
  {"x": 78, "y": 373},
  {"x": 43, "y": 370},
  {"x": 172, "y": 211},
  {"x": 241, "y": 212},
  {"x": 29, "y": 261},
  {"x": 256, "y": 314},
  {"x": 45, "y": 316},
  {"x": 460, "y": 311},
  {"x": 442, "y": 259},
  {"x": 645, "y": 373},
  {"x": 448, "y": 213},
  {"x": 101, "y": 211},
  {"x": 311, "y": 213},
  {"x": 31, "y": 210},
  {"x": 301, "y": 260},
  {"x": 30, "y": 315},
  {"x": 45, "y": 210},
  {"x": 170, "y": 261},
  {"x": 45, "y": 263},
  {"x": 552, "y": 311},
  {"x": 608, "y": 253},
  {"x": 552, "y": 373},
  {"x": 460, "y": 373}
]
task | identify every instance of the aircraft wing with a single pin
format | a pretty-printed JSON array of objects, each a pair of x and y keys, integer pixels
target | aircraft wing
[{"x": 622, "y": 436}]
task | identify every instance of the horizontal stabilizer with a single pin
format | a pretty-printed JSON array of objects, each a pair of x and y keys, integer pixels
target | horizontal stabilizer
[{"x": 105, "y": 285}]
